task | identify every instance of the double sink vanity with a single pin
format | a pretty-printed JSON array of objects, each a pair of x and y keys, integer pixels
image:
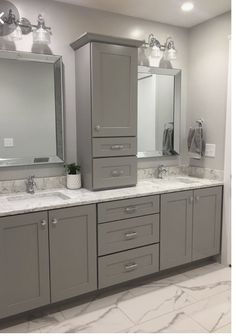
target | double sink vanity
[{"x": 57, "y": 243}]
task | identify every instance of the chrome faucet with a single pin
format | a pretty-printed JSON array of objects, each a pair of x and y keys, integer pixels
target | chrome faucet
[
  {"x": 30, "y": 184},
  {"x": 160, "y": 171}
]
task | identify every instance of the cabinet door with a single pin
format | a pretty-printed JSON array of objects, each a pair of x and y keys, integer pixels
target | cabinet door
[
  {"x": 72, "y": 251},
  {"x": 176, "y": 229},
  {"x": 114, "y": 90},
  {"x": 24, "y": 263},
  {"x": 207, "y": 222}
]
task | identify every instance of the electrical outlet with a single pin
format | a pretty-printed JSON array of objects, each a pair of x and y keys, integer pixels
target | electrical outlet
[
  {"x": 210, "y": 150},
  {"x": 8, "y": 142}
]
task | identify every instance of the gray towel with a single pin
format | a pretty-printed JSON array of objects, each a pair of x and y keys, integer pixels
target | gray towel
[
  {"x": 167, "y": 144},
  {"x": 196, "y": 142}
]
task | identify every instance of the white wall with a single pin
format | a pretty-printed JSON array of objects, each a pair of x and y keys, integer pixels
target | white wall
[
  {"x": 68, "y": 22},
  {"x": 207, "y": 83}
]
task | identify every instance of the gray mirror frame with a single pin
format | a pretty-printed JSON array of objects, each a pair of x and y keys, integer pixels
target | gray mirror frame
[
  {"x": 59, "y": 104},
  {"x": 177, "y": 107}
]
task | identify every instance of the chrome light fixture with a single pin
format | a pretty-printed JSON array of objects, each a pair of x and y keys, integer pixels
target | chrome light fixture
[
  {"x": 155, "y": 49},
  {"x": 41, "y": 33}
]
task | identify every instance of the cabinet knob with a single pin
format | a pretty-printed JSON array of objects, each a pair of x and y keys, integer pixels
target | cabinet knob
[
  {"x": 191, "y": 199},
  {"x": 197, "y": 198},
  {"x": 54, "y": 221},
  {"x": 97, "y": 128},
  {"x": 43, "y": 223}
]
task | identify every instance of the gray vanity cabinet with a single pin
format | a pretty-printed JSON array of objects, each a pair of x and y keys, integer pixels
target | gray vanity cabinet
[
  {"x": 206, "y": 222},
  {"x": 114, "y": 90},
  {"x": 73, "y": 251},
  {"x": 190, "y": 226},
  {"x": 106, "y": 116},
  {"x": 176, "y": 229},
  {"x": 24, "y": 263}
]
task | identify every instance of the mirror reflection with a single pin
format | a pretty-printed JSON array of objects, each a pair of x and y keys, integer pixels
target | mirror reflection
[
  {"x": 31, "y": 109},
  {"x": 158, "y": 111}
]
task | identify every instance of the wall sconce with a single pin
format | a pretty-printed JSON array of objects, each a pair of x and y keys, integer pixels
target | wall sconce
[
  {"x": 41, "y": 33},
  {"x": 154, "y": 49}
]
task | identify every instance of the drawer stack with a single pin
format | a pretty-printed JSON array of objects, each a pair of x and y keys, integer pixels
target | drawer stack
[{"x": 128, "y": 239}]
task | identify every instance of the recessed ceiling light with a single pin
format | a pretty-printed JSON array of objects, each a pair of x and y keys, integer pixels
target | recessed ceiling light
[{"x": 187, "y": 6}]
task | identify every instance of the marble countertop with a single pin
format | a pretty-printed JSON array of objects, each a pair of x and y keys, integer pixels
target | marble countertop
[{"x": 18, "y": 203}]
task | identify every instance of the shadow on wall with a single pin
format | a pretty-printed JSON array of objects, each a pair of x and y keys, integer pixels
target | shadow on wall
[
  {"x": 6, "y": 44},
  {"x": 38, "y": 48}
]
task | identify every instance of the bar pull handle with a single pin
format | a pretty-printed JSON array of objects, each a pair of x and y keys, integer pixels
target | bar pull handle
[
  {"x": 130, "y": 235},
  {"x": 131, "y": 267}
]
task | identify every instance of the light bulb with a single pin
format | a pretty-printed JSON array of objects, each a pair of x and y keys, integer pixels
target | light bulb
[
  {"x": 41, "y": 35},
  {"x": 155, "y": 52},
  {"x": 187, "y": 6},
  {"x": 171, "y": 54}
]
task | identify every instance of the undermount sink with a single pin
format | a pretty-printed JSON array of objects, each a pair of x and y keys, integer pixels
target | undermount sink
[
  {"x": 186, "y": 180},
  {"x": 52, "y": 196}
]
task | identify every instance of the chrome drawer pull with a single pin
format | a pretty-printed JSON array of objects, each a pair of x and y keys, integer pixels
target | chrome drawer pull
[
  {"x": 197, "y": 198},
  {"x": 117, "y": 147},
  {"x": 97, "y": 128},
  {"x": 131, "y": 267},
  {"x": 117, "y": 173},
  {"x": 130, "y": 210},
  {"x": 131, "y": 235}
]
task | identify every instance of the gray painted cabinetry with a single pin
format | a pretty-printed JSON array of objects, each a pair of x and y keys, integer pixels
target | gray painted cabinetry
[
  {"x": 47, "y": 257},
  {"x": 190, "y": 226},
  {"x": 24, "y": 263},
  {"x": 25, "y": 256},
  {"x": 73, "y": 251},
  {"x": 106, "y": 91}
]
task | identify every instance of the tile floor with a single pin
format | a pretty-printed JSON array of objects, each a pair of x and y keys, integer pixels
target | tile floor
[{"x": 196, "y": 300}]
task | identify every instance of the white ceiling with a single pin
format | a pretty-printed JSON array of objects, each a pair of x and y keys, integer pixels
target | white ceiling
[{"x": 165, "y": 11}]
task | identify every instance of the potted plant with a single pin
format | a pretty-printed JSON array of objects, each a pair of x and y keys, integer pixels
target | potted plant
[{"x": 73, "y": 180}]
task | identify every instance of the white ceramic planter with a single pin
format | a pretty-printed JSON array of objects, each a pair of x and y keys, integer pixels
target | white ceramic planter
[{"x": 73, "y": 181}]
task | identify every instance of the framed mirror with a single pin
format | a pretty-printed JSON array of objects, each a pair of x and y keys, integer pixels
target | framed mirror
[
  {"x": 159, "y": 99},
  {"x": 31, "y": 109}
]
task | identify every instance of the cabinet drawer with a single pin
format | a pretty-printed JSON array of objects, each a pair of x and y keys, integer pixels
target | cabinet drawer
[
  {"x": 104, "y": 147},
  {"x": 132, "y": 207},
  {"x": 128, "y": 233},
  {"x": 124, "y": 266},
  {"x": 114, "y": 172}
]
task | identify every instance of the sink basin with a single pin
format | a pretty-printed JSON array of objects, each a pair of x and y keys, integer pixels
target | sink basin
[
  {"x": 53, "y": 196},
  {"x": 186, "y": 180}
]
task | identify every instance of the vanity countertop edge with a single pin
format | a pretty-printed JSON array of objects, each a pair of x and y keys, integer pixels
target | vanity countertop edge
[{"x": 83, "y": 196}]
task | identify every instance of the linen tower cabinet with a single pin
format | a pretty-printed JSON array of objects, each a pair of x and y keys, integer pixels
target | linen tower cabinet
[{"x": 106, "y": 98}]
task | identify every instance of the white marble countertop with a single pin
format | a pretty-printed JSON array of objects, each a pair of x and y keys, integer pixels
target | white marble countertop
[{"x": 17, "y": 203}]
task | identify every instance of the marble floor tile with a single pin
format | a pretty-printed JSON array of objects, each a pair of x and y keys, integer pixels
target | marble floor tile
[
  {"x": 209, "y": 284},
  {"x": 35, "y": 322},
  {"x": 103, "y": 320},
  {"x": 206, "y": 269},
  {"x": 224, "y": 330},
  {"x": 213, "y": 312},
  {"x": 175, "y": 322},
  {"x": 153, "y": 304},
  {"x": 157, "y": 284}
]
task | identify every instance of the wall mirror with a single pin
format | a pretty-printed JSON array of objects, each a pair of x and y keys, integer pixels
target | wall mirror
[
  {"x": 31, "y": 109},
  {"x": 159, "y": 98}
]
